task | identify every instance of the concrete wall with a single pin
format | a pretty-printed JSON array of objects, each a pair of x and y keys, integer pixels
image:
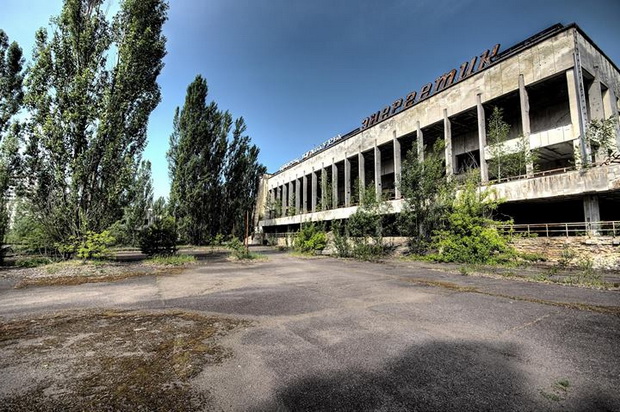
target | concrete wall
[
  {"x": 604, "y": 252},
  {"x": 551, "y": 58},
  {"x": 577, "y": 182}
]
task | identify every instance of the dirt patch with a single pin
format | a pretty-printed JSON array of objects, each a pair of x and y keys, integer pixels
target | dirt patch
[
  {"x": 78, "y": 272},
  {"x": 109, "y": 360}
]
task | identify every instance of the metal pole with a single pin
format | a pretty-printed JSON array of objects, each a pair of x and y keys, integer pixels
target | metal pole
[
  {"x": 566, "y": 226},
  {"x": 247, "y": 223}
]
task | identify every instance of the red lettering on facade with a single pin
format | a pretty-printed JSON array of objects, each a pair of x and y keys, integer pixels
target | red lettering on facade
[
  {"x": 397, "y": 105},
  {"x": 465, "y": 70},
  {"x": 410, "y": 99},
  {"x": 446, "y": 80},
  {"x": 426, "y": 91},
  {"x": 365, "y": 122},
  {"x": 487, "y": 57},
  {"x": 385, "y": 113}
]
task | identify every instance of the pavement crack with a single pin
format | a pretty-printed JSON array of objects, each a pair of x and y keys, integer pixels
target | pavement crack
[
  {"x": 607, "y": 310},
  {"x": 525, "y": 325}
]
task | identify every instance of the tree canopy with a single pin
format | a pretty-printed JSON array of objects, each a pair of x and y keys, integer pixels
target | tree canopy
[
  {"x": 90, "y": 90},
  {"x": 213, "y": 182}
]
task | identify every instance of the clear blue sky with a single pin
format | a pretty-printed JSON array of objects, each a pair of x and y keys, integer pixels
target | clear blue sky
[{"x": 300, "y": 72}]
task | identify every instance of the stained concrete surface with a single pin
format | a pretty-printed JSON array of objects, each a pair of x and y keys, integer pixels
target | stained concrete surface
[{"x": 330, "y": 334}]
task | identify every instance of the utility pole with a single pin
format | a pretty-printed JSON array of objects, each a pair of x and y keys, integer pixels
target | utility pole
[{"x": 247, "y": 223}]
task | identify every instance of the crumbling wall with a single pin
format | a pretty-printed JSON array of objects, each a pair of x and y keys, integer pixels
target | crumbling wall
[{"x": 603, "y": 251}]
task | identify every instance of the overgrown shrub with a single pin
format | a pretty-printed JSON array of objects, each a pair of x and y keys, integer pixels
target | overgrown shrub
[
  {"x": 91, "y": 245},
  {"x": 310, "y": 239},
  {"x": 238, "y": 250},
  {"x": 366, "y": 225},
  {"x": 341, "y": 239},
  {"x": 27, "y": 234},
  {"x": 32, "y": 261},
  {"x": 471, "y": 234},
  {"x": 160, "y": 238}
]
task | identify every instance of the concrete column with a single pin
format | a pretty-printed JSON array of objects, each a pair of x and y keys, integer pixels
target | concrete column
[
  {"x": 611, "y": 110},
  {"x": 347, "y": 181},
  {"x": 378, "y": 186},
  {"x": 314, "y": 195},
  {"x": 420, "y": 138},
  {"x": 314, "y": 190},
  {"x": 304, "y": 203},
  {"x": 361, "y": 176},
  {"x": 583, "y": 155},
  {"x": 592, "y": 214},
  {"x": 482, "y": 140},
  {"x": 597, "y": 111},
  {"x": 596, "y": 100},
  {"x": 334, "y": 185},
  {"x": 397, "y": 167},
  {"x": 324, "y": 193},
  {"x": 447, "y": 135},
  {"x": 525, "y": 123},
  {"x": 297, "y": 196},
  {"x": 284, "y": 198},
  {"x": 291, "y": 194}
]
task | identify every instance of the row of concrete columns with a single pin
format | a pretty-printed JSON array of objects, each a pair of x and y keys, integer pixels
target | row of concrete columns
[{"x": 599, "y": 105}]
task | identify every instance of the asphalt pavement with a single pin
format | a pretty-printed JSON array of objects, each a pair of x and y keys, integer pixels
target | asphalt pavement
[{"x": 332, "y": 334}]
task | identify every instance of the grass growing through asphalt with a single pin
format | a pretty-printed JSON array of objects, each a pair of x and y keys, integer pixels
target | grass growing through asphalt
[
  {"x": 172, "y": 260},
  {"x": 114, "y": 360}
]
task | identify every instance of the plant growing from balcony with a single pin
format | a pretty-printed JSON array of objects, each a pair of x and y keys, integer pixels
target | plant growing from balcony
[
  {"x": 601, "y": 137},
  {"x": 506, "y": 162}
]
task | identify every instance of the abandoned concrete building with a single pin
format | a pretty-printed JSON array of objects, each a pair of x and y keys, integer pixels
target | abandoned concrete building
[{"x": 550, "y": 87}]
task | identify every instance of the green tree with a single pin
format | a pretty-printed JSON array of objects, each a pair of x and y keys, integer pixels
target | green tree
[
  {"x": 427, "y": 195},
  {"x": 506, "y": 162},
  {"x": 137, "y": 212},
  {"x": 196, "y": 159},
  {"x": 11, "y": 98},
  {"x": 471, "y": 234},
  {"x": 497, "y": 135},
  {"x": 160, "y": 208},
  {"x": 91, "y": 88},
  {"x": 242, "y": 173},
  {"x": 366, "y": 225},
  {"x": 601, "y": 136}
]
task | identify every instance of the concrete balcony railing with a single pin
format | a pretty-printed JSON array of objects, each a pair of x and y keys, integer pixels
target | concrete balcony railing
[{"x": 543, "y": 185}]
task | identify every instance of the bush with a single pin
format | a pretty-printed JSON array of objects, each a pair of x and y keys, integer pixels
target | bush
[
  {"x": 91, "y": 245},
  {"x": 478, "y": 244},
  {"x": 33, "y": 261},
  {"x": 239, "y": 250},
  {"x": 471, "y": 235},
  {"x": 341, "y": 239},
  {"x": 160, "y": 238},
  {"x": 310, "y": 239}
]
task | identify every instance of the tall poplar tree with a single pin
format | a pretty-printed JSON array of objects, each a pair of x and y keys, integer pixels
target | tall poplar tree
[
  {"x": 11, "y": 97},
  {"x": 196, "y": 160},
  {"x": 241, "y": 177},
  {"x": 91, "y": 89},
  {"x": 137, "y": 212}
]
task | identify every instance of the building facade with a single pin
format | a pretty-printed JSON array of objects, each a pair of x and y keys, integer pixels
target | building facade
[{"x": 549, "y": 87}]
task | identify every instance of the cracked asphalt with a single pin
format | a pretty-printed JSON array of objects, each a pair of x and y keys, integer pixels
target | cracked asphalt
[{"x": 330, "y": 334}]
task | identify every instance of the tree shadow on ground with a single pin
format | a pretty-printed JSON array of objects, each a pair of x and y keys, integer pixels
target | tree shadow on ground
[{"x": 437, "y": 376}]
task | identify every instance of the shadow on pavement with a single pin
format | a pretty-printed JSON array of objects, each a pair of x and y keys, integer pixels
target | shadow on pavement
[{"x": 436, "y": 376}]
